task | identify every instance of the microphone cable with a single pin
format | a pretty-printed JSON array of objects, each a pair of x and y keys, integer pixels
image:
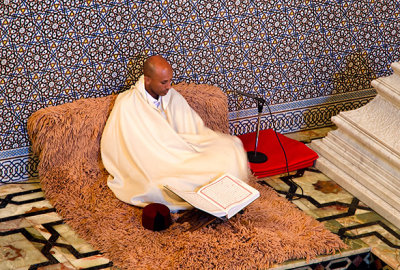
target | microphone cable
[
  {"x": 288, "y": 177},
  {"x": 261, "y": 102}
]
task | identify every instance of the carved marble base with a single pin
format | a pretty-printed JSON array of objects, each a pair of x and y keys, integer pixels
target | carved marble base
[{"x": 363, "y": 154}]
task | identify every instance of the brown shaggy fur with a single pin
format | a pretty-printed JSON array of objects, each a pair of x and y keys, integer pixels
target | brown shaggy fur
[
  {"x": 209, "y": 102},
  {"x": 67, "y": 140}
]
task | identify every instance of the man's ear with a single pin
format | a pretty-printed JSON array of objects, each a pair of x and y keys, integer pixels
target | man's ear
[{"x": 147, "y": 80}]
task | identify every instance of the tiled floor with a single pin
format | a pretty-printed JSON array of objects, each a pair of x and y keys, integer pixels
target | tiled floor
[
  {"x": 359, "y": 226},
  {"x": 34, "y": 236}
]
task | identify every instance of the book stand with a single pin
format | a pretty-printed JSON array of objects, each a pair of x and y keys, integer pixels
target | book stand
[{"x": 254, "y": 156}]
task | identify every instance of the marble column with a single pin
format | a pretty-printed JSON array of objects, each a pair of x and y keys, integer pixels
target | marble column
[{"x": 363, "y": 154}]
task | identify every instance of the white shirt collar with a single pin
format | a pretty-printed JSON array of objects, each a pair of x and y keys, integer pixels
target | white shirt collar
[
  {"x": 164, "y": 100},
  {"x": 156, "y": 102}
]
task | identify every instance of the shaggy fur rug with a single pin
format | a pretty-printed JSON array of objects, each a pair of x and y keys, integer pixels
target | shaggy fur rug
[{"x": 67, "y": 140}]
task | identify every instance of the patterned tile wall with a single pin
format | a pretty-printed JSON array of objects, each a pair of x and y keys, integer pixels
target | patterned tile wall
[{"x": 308, "y": 59}]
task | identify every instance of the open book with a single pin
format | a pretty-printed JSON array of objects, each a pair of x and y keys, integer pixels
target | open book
[{"x": 223, "y": 197}]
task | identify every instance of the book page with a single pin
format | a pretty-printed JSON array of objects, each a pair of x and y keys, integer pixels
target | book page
[
  {"x": 222, "y": 198},
  {"x": 197, "y": 201},
  {"x": 226, "y": 192}
]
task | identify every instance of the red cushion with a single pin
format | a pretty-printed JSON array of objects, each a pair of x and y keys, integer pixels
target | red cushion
[{"x": 298, "y": 154}]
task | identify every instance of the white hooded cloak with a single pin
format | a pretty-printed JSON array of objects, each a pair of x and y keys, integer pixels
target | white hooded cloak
[{"x": 144, "y": 148}]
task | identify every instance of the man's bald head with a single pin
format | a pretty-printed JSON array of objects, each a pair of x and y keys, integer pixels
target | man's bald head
[
  {"x": 157, "y": 76},
  {"x": 155, "y": 64}
]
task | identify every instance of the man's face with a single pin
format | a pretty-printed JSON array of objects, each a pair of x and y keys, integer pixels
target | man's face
[{"x": 159, "y": 83}]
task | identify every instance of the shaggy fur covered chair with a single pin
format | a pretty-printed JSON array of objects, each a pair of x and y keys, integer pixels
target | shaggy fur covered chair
[{"x": 67, "y": 140}]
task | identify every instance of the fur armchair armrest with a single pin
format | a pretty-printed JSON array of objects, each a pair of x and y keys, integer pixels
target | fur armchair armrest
[
  {"x": 67, "y": 140},
  {"x": 71, "y": 131}
]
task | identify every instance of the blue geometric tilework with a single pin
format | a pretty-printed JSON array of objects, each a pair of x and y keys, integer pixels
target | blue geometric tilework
[
  {"x": 286, "y": 51},
  {"x": 296, "y": 119},
  {"x": 17, "y": 164},
  {"x": 301, "y": 104},
  {"x": 302, "y": 115}
]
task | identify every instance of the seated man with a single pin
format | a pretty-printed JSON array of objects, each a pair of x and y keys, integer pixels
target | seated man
[{"x": 154, "y": 138}]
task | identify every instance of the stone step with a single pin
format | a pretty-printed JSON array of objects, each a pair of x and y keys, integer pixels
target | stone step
[
  {"x": 369, "y": 145},
  {"x": 344, "y": 145},
  {"x": 363, "y": 154},
  {"x": 360, "y": 173},
  {"x": 379, "y": 120},
  {"x": 358, "y": 190},
  {"x": 388, "y": 88},
  {"x": 396, "y": 68}
]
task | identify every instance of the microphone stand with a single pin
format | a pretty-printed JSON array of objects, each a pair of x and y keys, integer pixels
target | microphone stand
[{"x": 254, "y": 156}]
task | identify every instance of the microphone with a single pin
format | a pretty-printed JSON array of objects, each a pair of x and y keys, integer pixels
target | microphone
[
  {"x": 254, "y": 156},
  {"x": 261, "y": 100}
]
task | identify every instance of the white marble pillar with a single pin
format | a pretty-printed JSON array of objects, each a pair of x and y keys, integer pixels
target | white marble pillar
[{"x": 363, "y": 154}]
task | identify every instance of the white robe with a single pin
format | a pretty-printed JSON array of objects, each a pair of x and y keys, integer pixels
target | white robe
[{"x": 144, "y": 150}]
